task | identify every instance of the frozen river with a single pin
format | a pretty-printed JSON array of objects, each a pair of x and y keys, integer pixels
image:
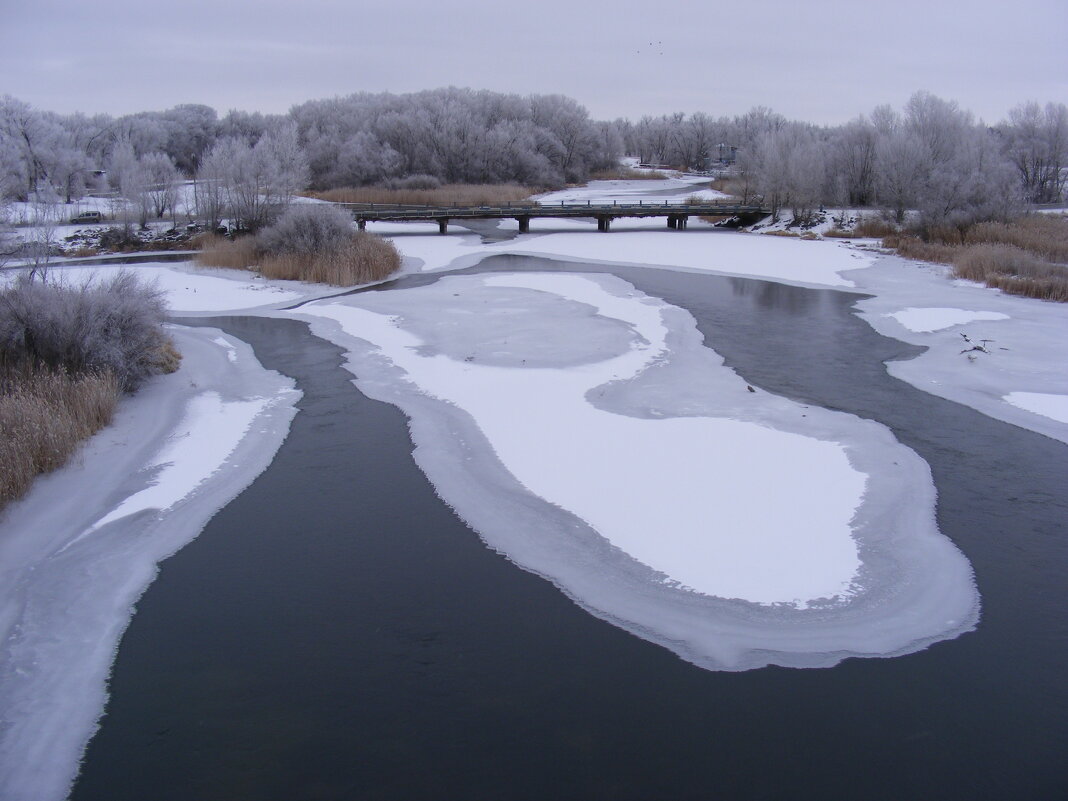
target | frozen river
[{"x": 338, "y": 632}]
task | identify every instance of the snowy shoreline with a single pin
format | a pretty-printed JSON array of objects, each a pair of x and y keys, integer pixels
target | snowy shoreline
[{"x": 79, "y": 550}]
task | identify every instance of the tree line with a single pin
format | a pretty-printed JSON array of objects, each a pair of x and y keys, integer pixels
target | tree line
[{"x": 931, "y": 155}]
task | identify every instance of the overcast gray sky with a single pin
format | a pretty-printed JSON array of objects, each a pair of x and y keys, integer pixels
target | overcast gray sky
[{"x": 823, "y": 61}]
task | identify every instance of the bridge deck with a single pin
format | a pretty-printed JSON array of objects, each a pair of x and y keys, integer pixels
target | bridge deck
[{"x": 604, "y": 213}]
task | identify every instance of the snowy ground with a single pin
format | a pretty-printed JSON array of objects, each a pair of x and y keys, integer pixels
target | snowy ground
[{"x": 615, "y": 389}]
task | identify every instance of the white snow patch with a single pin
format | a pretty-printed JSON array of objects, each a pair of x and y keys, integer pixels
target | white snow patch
[
  {"x": 1054, "y": 407},
  {"x": 819, "y": 263},
  {"x": 231, "y": 351},
  {"x": 726, "y": 508},
  {"x": 189, "y": 290},
  {"x": 736, "y": 528},
  {"x": 923, "y": 320},
  {"x": 199, "y": 446}
]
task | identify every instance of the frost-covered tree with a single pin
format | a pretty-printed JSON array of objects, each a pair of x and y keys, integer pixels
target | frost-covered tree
[
  {"x": 191, "y": 129},
  {"x": 901, "y": 163},
  {"x": 131, "y": 180},
  {"x": 851, "y": 157},
  {"x": 788, "y": 169},
  {"x": 161, "y": 180},
  {"x": 1036, "y": 141},
  {"x": 257, "y": 181}
]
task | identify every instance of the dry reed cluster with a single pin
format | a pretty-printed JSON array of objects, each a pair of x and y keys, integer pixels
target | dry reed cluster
[
  {"x": 364, "y": 258},
  {"x": 446, "y": 195},
  {"x": 45, "y": 413},
  {"x": 622, "y": 173},
  {"x": 1026, "y": 257},
  {"x": 310, "y": 242}
]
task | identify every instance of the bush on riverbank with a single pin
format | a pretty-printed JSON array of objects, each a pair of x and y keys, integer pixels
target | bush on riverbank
[
  {"x": 310, "y": 242},
  {"x": 66, "y": 355}
]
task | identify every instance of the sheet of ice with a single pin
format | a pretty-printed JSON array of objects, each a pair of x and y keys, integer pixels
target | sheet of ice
[
  {"x": 926, "y": 319},
  {"x": 210, "y": 431},
  {"x": 1025, "y": 341},
  {"x": 231, "y": 351},
  {"x": 730, "y": 526},
  {"x": 188, "y": 289},
  {"x": 674, "y": 189},
  {"x": 693, "y": 485},
  {"x": 728, "y": 252},
  {"x": 65, "y": 598},
  {"x": 1055, "y": 407}
]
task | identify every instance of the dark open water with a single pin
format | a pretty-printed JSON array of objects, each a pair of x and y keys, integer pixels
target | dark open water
[{"x": 336, "y": 632}]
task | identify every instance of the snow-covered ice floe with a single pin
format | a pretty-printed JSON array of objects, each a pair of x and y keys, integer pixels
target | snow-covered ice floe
[
  {"x": 984, "y": 349},
  {"x": 1055, "y": 407},
  {"x": 81, "y": 547},
  {"x": 923, "y": 320},
  {"x": 735, "y": 528}
]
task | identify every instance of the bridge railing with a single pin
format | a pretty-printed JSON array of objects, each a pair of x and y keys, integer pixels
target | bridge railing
[{"x": 542, "y": 207}]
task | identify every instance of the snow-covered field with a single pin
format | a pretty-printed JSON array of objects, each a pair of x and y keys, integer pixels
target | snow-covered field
[{"x": 669, "y": 493}]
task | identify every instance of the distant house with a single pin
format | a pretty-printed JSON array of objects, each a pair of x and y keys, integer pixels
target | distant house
[{"x": 726, "y": 154}]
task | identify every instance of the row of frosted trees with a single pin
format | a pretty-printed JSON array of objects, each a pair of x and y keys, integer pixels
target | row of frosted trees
[
  {"x": 243, "y": 162},
  {"x": 931, "y": 155}
]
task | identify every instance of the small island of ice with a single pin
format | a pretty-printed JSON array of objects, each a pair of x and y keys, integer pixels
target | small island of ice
[
  {"x": 734, "y": 527},
  {"x": 925, "y": 320}
]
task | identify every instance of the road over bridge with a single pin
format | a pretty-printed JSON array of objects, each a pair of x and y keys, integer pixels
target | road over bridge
[{"x": 677, "y": 214}]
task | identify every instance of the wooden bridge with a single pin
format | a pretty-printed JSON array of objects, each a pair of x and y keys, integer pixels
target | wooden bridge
[{"x": 677, "y": 214}]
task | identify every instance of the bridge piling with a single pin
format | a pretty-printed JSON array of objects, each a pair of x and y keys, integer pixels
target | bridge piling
[
  {"x": 443, "y": 225},
  {"x": 524, "y": 224}
]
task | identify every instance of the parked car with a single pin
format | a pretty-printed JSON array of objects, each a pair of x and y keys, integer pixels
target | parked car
[{"x": 87, "y": 217}]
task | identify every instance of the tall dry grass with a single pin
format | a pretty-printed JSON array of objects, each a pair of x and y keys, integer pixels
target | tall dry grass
[
  {"x": 218, "y": 251},
  {"x": 1020, "y": 257},
  {"x": 447, "y": 195},
  {"x": 872, "y": 227},
  {"x": 45, "y": 413},
  {"x": 363, "y": 259},
  {"x": 627, "y": 174},
  {"x": 911, "y": 246},
  {"x": 1013, "y": 270}
]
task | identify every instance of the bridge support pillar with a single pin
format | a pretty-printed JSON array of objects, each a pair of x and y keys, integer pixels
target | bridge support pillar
[
  {"x": 682, "y": 221},
  {"x": 524, "y": 224},
  {"x": 361, "y": 225},
  {"x": 673, "y": 221},
  {"x": 604, "y": 224},
  {"x": 443, "y": 225}
]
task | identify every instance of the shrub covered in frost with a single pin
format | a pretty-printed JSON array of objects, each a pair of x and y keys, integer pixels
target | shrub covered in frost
[
  {"x": 104, "y": 326},
  {"x": 310, "y": 242},
  {"x": 306, "y": 229}
]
